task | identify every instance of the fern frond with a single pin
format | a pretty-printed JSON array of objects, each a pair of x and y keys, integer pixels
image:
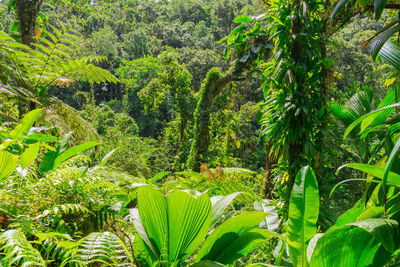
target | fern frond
[
  {"x": 18, "y": 250},
  {"x": 65, "y": 209},
  {"x": 12, "y": 68},
  {"x": 56, "y": 31},
  {"x": 54, "y": 245},
  {"x": 61, "y": 175},
  {"x": 87, "y": 72},
  {"x": 50, "y": 63},
  {"x": 100, "y": 248},
  {"x": 93, "y": 59}
]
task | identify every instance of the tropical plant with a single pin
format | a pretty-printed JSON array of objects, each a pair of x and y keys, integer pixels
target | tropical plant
[
  {"x": 382, "y": 45},
  {"x": 358, "y": 105},
  {"x": 340, "y": 245},
  {"x": 18, "y": 250},
  {"x": 50, "y": 62},
  {"x": 170, "y": 229},
  {"x": 219, "y": 182},
  {"x": 294, "y": 111},
  {"x": 25, "y": 140}
]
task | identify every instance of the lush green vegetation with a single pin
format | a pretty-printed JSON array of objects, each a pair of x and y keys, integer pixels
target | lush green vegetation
[{"x": 199, "y": 133}]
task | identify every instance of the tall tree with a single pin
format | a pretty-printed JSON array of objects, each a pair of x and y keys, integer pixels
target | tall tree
[
  {"x": 27, "y": 11},
  {"x": 296, "y": 83},
  {"x": 246, "y": 49}
]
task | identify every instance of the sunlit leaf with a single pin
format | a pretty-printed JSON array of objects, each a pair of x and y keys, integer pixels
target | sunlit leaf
[
  {"x": 303, "y": 215},
  {"x": 234, "y": 238},
  {"x": 29, "y": 155},
  {"x": 8, "y": 163}
]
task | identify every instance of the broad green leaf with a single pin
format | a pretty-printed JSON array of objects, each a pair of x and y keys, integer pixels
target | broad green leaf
[
  {"x": 189, "y": 220},
  {"x": 227, "y": 234},
  {"x": 48, "y": 162},
  {"x": 360, "y": 119},
  {"x": 244, "y": 244},
  {"x": 379, "y": 5},
  {"x": 29, "y": 155},
  {"x": 242, "y": 18},
  {"x": 26, "y": 123},
  {"x": 382, "y": 116},
  {"x": 392, "y": 178},
  {"x": 389, "y": 163},
  {"x": 8, "y": 163},
  {"x": 237, "y": 30},
  {"x": 135, "y": 219},
  {"x": 143, "y": 254},
  {"x": 219, "y": 205},
  {"x": 312, "y": 244},
  {"x": 157, "y": 177},
  {"x": 303, "y": 215},
  {"x": 62, "y": 144},
  {"x": 152, "y": 207},
  {"x": 357, "y": 244},
  {"x": 385, "y": 231},
  {"x": 74, "y": 151},
  {"x": 391, "y": 54},
  {"x": 14, "y": 26},
  {"x": 44, "y": 138},
  {"x": 382, "y": 39},
  {"x": 350, "y": 215},
  {"x": 340, "y": 4},
  {"x": 174, "y": 226}
]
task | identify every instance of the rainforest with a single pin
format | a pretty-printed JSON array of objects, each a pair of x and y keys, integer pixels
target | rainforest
[{"x": 204, "y": 133}]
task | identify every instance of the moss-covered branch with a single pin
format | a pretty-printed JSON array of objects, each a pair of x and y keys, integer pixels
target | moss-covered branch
[{"x": 212, "y": 86}]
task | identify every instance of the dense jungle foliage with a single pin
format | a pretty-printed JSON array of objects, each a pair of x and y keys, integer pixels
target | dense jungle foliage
[{"x": 199, "y": 133}]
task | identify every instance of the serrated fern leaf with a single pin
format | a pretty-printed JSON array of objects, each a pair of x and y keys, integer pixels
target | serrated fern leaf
[
  {"x": 101, "y": 248},
  {"x": 18, "y": 250}
]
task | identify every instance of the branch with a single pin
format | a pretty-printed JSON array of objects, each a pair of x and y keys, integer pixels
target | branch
[{"x": 388, "y": 6}]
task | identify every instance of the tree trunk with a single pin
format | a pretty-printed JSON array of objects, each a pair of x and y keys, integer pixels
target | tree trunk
[
  {"x": 295, "y": 146},
  {"x": 27, "y": 11},
  {"x": 269, "y": 166},
  {"x": 325, "y": 83},
  {"x": 212, "y": 87}
]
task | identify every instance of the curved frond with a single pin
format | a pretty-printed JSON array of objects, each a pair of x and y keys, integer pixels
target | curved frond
[
  {"x": 18, "y": 250},
  {"x": 101, "y": 248}
]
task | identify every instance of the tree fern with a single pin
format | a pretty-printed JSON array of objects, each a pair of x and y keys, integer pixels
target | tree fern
[
  {"x": 18, "y": 250},
  {"x": 55, "y": 63},
  {"x": 51, "y": 62}
]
